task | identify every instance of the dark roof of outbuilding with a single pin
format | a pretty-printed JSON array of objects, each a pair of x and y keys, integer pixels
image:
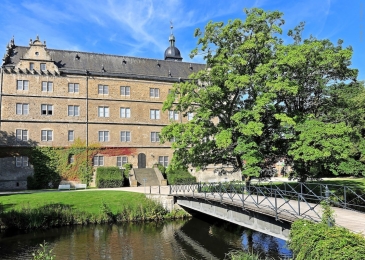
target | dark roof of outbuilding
[{"x": 105, "y": 64}]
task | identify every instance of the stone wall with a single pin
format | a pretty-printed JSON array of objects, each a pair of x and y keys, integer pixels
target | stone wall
[
  {"x": 12, "y": 177},
  {"x": 209, "y": 175}
]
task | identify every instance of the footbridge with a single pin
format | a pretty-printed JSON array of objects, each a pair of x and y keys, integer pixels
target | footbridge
[{"x": 271, "y": 208}]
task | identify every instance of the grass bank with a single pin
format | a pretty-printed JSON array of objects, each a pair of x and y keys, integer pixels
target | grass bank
[{"x": 50, "y": 209}]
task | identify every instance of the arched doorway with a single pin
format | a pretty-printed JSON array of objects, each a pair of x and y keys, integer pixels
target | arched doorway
[{"x": 141, "y": 160}]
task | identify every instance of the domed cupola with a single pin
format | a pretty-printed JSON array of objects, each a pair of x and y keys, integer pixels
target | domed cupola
[{"x": 172, "y": 53}]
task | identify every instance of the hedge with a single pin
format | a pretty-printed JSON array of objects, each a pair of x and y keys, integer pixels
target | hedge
[
  {"x": 310, "y": 240},
  {"x": 109, "y": 177},
  {"x": 180, "y": 176}
]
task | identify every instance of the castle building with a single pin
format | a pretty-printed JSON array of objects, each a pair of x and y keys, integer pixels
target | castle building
[{"x": 53, "y": 97}]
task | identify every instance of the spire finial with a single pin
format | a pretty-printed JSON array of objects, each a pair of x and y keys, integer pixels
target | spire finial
[{"x": 171, "y": 27}]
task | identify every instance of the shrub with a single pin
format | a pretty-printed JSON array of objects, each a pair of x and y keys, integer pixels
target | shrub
[
  {"x": 181, "y": 176},
  {"x": 310, "y": 240},
  {"x": 109, "y": 177}
]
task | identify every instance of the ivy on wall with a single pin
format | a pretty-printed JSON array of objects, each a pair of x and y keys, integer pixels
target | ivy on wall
[{"x": 53, "y": 164}]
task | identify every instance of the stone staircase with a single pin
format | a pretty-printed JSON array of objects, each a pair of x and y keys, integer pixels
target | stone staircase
[{"x": 148, "y": 174}]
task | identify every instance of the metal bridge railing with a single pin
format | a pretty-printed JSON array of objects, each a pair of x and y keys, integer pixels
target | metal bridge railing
[{"x": 300, "y": 200}]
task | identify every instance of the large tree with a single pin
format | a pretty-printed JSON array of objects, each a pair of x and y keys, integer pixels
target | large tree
[{"x": 260, "y": 100}]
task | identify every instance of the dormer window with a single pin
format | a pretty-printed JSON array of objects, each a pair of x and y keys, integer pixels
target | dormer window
[
  {"x": 43, "y": 66},
  {"x": 31, "y": 66}
]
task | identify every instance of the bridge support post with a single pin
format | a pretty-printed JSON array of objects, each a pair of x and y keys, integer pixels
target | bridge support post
[
  {"x": 276, "y": 207},
  {"x": 344, "y": 195}
]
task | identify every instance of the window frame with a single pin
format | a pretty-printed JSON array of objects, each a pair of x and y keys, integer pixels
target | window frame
[
  {"x": 155, "y": 114},
  {"x": 173, "y": 115},
  {"x": 122, "y": 160},
  {"x": 47, "y": 86},
  {"x": 21, "y": 133},
  {"x": 22, "y": 85},
  {"x": 154, "y": 92},
  {"x": 190, "y": 116},
  {"x": 31, "y": 66},
  {"x": 72, "y": 132},
  {"x": 155, "y": 137},
  {"x": 48, "y": 135},
  {"x": 125, "y": 90},
  {"x": 21, "y": 161},
  {"x": 125, "y": 136},
  {"x": 103, "y": 136},
  {"x": 47, "y": 113},
  {"x": 97, "y": 159},
  {"x": 125, "y": 112},
  {"x": 103, "y": 109},
  {"x": 21, "y": 107},
  {"x": 72, "y": 87},
  {"x": 74, "y": 109},
  {"x": 43, "y": 66},
  {"x": 103, "y": 89},
  {"x": 165, "y": 160}
]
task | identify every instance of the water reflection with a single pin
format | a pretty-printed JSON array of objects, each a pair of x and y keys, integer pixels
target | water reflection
[{"x": 199, "y": 238}]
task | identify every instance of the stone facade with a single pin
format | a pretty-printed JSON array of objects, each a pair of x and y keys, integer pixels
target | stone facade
[{"x": 47, "y": 95}]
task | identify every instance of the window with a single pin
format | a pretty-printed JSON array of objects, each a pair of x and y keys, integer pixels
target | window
[
  {"x": 103, "y": 136},
  {"x": 154, "y": 114},
  {"x": 22, "y": 85},
  {"x": 31, "y": 66},
  {"x": 154, "y": 92},
  {"x": 71, "y": 135},
  {"x": 21, "y": 161},
  {"x": 155, "y": 137},
  {"x": 173, "y": 115},
  {"x": 47, "y": 109},
  {"x": 190, "y": 116},
  {"x": 125, "y": 136},
  {"x": 163, "y": 160},
  {"x": 125, "y": 112},
  {"x": 98, "y": 160},
  {"x": 47, "y": 135},
  {"x": 73, "y": 110},
  {"x": 21, "y": 135},
  {"x": 103, "y": 111},
  {"x": 173, "y": 139},
  {"x": 121, "y": 160},
  {"x": 125, "y": 91},
  {"x": 47, "y": 86},
  {"x": 43, "y": 66},
  {"x": 103, "y": 89},
  {"x": 71, "y": 159},
  {"x": 22, "y": 109},
  {"x": 73, "y": 87}
]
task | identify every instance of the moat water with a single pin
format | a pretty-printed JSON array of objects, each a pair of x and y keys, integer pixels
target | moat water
[{"x": 201, "y": 237}]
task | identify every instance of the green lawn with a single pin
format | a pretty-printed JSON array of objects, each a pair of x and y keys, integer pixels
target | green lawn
[{"x": 83, "y": 201}]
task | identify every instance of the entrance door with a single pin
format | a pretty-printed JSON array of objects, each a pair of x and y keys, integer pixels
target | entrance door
[{"x": 141, "y": 160}]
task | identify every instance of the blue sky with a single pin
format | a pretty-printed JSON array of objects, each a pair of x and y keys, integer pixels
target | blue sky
[{"x": 141, "y": 27}]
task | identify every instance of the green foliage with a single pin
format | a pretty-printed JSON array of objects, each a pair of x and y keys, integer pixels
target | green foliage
[
  {"x": 126, "y": 170},
  {"x": 327, "y": 214},
  {"x": 44, "y": 253},
  {"x": 240, "y": 255},
  {"x": 299, "y": 101},
  {"x": 310, "y": 240},
  {"x": 108, "y": 177},
  {"x": 44, "y": 161},
  {"x": 179, "y": 176},
  {"x": 58, "y": 214}
]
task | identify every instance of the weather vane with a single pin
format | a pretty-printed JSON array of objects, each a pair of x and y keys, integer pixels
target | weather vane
[{"x": 171, "y": 26}]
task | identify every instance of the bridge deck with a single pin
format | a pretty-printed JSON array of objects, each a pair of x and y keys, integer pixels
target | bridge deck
[
  {"x": 352, "y": 220},
  {"x": 288, "y": 211}
]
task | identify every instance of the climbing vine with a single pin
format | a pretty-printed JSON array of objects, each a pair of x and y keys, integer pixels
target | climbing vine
[{"x": 53, "y": 164}]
